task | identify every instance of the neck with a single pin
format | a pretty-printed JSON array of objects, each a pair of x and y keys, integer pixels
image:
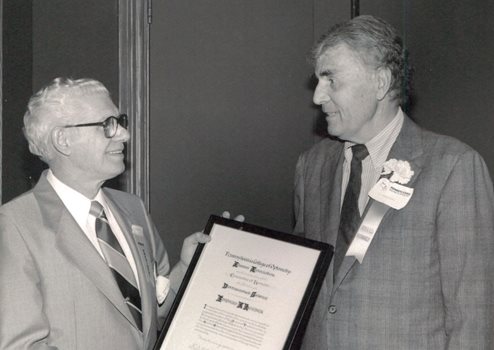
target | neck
[
  {"x": 382, "y": 117},
  {"x": 84, "y": 186}
]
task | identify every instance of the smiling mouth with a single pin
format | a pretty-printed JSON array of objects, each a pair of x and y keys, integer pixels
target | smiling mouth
[{"x": 331, "y": 114}]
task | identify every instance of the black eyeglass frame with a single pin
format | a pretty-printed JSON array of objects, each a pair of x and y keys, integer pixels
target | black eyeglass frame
[{"x": 110, "y": 124}]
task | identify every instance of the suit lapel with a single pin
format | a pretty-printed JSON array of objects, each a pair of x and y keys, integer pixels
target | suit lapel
[
  {"x": 73, "y": 243},
  {"x": 408, "y": 146},
  {"x": 331, "y": 200},
  {"x": 148, "y": 294},
  {"x": 76, "y": 247}
]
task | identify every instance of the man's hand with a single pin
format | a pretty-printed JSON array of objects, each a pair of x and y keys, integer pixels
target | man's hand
[
  {"x": 189, "y": 246},
  {"x": 190, "y": 243},
  {"x": 239, "y": 218}
]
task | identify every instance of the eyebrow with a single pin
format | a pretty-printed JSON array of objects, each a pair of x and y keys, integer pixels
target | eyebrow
[{"x": 324, "y": 73}]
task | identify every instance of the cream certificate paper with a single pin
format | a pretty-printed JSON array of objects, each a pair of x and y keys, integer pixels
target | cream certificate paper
[{"x": 244, "y": 293}]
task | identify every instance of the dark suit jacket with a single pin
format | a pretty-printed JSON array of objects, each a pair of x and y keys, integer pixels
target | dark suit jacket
[
  {"x": 427, "y": 280},
  {"x": 56, "y": 292}
]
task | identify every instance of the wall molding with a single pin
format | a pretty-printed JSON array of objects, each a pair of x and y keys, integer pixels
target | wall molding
[
  {"x": 134, "y": 22},
  {"x": 1, "y": 98}
]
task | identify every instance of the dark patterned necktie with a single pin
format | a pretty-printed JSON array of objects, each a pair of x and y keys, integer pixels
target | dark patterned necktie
[
  {"x": 350, "y": 215},
  {"x": 118, "y": 263}
]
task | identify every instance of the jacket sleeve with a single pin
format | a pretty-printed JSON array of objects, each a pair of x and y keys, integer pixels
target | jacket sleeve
[
  {"x": 465, "y": 233},
  {"x": 163, "y": 269},
  {"x": 23, "y": 325},
  {"x": 162, "y": 265}
]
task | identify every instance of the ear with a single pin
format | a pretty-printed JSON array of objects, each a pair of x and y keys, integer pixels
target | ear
[
  {"x": 60, "y": 141},
  {"x": 383, "y": 76}
]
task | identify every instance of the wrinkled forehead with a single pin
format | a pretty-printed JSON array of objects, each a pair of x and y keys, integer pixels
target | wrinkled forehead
[{"x": 337, "y": 57}]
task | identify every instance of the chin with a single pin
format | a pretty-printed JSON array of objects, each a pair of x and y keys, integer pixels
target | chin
[
  {"x": 115, "y": 173},
  {"x": 333, "y": 133}
]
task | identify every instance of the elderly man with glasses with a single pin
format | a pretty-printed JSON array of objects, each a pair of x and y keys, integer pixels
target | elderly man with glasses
[{"x": 81, "y": 266}]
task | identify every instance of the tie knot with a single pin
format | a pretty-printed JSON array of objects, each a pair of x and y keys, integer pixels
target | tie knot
[
  {"x": 360, "y": 152},
  {"x": 96, "y": 209}
]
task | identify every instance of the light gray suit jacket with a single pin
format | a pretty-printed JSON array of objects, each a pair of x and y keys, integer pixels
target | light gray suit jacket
[
  {"x": 56, "y": 292},
  {"x": 427, "y": 280}
]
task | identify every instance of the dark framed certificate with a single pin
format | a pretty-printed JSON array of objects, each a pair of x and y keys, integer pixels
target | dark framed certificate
[{"x": 249, "y": 288}]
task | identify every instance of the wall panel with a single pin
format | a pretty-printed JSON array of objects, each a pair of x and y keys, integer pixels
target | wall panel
[{"x": 231, "y": 109}]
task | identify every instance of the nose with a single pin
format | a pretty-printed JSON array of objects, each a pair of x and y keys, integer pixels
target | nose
[
  {"x": 320, "y": 95},
  {"x": 122, "y": 134}
]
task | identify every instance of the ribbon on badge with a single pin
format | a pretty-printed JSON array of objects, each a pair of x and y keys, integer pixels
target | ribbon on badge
[
  {"x": 367, "y": 230},
  {"x": 386, "y": 195}
]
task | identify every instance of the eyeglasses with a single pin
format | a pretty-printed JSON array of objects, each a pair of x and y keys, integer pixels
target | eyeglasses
[{"x": 110, "y": 124}]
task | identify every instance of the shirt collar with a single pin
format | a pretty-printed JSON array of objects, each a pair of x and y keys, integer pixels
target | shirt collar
[
  {"x": 380, "y": 145},
  {"x": 76, "y": 203}
]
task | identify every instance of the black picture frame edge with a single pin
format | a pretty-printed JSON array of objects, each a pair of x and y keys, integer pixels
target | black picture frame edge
[{"x": 296, "y": 333}]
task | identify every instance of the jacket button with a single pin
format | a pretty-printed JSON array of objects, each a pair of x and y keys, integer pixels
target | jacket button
[{"x": 332, "y": 309}]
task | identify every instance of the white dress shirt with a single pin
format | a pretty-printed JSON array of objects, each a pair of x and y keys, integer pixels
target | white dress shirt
[
  {"x": 378, "y": 147},
  {"x": 78, "y": 205}
]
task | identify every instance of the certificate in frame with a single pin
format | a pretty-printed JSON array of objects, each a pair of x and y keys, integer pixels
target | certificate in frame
[{"x": 249, "y": 288}]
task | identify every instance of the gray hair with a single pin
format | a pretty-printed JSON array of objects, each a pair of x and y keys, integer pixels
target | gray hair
[
  {"x": 50, "y": 107},
  {"x": 377, "y": 44}
]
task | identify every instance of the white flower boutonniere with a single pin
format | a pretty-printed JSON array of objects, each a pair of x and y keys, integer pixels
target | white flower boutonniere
[{"x": 400, "y": 171}]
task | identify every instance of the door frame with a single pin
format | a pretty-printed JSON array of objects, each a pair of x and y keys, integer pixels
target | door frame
[
  {"x": 1, "y": 97},
  {"x": 134, "y": 21}
]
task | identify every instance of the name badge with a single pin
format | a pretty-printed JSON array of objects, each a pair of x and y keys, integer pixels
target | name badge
[
  {"x": 138, "y": 233},
  {"x": 392, "y": 194}
]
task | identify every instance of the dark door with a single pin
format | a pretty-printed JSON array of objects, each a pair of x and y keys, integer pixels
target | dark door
[{"x": 43, "y": 40}]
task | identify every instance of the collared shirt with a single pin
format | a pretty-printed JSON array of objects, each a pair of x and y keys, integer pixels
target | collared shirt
[
  {"x": 78, "y": 206},
  {"x": 378, "y": 147}
]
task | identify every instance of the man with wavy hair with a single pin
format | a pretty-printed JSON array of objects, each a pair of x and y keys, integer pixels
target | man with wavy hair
[{"x": 409, "y": 212}]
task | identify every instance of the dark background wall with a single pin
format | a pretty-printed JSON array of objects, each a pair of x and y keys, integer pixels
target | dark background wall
[
  {"x": 452, "y": 50},
  {"x": 230, "y": 109},
  {"x": 44, "y": 40},
  {"x": 76, "y": 39},
  {"x": 16, "y": 87}
]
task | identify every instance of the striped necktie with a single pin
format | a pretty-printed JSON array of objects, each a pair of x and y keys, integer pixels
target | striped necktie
[
  {"x": 118, "y": 263},
  {"x": 350, "y": 215}
]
